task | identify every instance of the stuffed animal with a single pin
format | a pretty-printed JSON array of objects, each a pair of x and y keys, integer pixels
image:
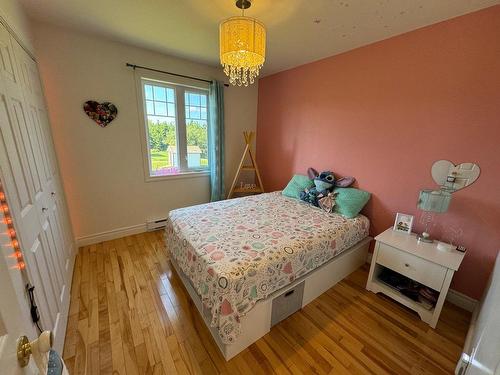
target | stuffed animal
[
  {"x": 328, "y": 203},
  {"x": 321, "y": 195}
]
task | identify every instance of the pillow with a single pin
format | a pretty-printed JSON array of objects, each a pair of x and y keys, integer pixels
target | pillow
[
  {"x": 350, "y": 201},
  {"x": 296, "y": 185}
]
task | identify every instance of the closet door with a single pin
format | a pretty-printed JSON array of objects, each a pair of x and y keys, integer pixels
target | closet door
[{"x": 29, "y": 174}]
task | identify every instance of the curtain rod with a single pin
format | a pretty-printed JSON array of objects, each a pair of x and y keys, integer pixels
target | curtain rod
[{"x": 133, "y": 66}]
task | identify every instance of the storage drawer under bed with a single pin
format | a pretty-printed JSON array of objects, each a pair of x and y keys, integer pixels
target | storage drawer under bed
[{"x": 287, "y": 303}]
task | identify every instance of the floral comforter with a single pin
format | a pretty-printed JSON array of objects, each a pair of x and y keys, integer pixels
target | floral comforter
[{"x": 238, "y": 251}]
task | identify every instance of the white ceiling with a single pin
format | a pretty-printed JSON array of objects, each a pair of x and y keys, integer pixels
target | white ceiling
[{"x": 189, "y": 28}]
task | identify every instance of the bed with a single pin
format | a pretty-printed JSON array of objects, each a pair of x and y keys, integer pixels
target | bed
[{"x": 235, "y": 257}]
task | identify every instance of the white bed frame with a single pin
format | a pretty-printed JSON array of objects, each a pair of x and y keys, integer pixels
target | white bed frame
[{"x": 257, "y": 322}]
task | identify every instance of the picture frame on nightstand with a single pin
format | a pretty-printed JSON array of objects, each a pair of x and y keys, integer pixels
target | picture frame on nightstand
[{"x": 403, "y": 223}]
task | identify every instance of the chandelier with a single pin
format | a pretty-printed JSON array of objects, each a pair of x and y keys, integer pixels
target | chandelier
[{"x": 242, "y": 46}]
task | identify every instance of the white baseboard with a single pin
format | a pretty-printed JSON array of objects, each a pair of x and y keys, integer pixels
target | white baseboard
[
  {"x": 461, "y": 300},
  {"x": 454, "y": 297},
  {"x": 110, "y": 235}
]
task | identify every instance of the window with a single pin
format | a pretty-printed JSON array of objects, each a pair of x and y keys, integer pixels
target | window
[
  {"x": 176, "y": 122},
  {"x": 196, "y": 129}
]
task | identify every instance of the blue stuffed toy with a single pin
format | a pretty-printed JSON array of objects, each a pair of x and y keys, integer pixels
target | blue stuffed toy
[{"x": 321, "y": 195}]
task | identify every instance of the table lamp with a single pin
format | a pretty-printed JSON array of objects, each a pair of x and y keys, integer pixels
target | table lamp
[{"x": 432, "y": 201}]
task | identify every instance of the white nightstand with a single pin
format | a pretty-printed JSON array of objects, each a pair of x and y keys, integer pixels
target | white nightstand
[{"x": 419, "y": 261}]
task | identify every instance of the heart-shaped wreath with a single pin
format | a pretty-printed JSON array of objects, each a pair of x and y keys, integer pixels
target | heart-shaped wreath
[{"x": 101, "y": 113}]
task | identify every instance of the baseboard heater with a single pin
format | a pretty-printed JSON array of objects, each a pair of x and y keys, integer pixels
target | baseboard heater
[{"x": 152, "y": 225}]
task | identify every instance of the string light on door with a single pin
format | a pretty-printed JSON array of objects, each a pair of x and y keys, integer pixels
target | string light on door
[{"x": 11, "y": 231}]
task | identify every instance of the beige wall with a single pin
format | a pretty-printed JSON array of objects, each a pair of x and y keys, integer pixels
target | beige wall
[{"x": 102, "y": 169}]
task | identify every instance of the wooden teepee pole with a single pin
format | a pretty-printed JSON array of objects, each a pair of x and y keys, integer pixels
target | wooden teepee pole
[{"x": 248, "y": 135}]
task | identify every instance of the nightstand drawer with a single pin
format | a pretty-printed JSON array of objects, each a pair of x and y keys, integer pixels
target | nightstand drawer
[{"x": 418, "y": 269}]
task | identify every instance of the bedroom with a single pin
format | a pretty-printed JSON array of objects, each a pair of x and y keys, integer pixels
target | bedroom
[{"x": 118, "y": 121}]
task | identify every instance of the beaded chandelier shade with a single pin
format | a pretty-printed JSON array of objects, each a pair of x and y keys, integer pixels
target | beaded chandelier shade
[{"x": 242, "y": 49}]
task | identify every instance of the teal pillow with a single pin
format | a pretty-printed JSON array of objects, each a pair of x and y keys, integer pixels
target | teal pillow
[
  {"x": 350, "y": 201},
  {"x": 297, "y": 184}
]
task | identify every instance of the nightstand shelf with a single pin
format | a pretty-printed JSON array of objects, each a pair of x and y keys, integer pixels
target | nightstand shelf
[
  {"x": 380, "y": 287},
  {"x": 420, "y": 262}
]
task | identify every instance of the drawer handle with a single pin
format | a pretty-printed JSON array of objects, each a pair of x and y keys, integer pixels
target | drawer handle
[
  {"x": 289, "y": 293},
  {"x": 407, "y": 265}
]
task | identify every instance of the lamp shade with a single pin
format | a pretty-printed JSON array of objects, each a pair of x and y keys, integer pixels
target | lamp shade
[
  {"x": 242, "y": 48},
  {"x": 434, "y": 200}
]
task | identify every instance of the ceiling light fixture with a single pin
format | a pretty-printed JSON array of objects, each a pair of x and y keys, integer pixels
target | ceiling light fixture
[{"x": 242, "y": 46}]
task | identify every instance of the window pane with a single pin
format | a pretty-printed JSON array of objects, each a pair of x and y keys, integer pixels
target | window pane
[
  {"x": 148, "y": 89},
  {"x": 160, "y": 93},
  {"x": 149, "y": 107},
  {"x": 160, "y": 108},
  {"x": 162, "y": 147},
  {"x": 170, "y": 95},
  {"x": 162, "y": 141},
  {"x": 194, "y": 112},
  {"x": 194, "y": 99},
  {"x": 197, "y": 144},
  {"x": 196, "y": 130},
  {"x": 171, "y": 109}
]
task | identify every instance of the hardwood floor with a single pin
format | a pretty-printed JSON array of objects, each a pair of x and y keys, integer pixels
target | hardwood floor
[{"x": 130, "y": 314}]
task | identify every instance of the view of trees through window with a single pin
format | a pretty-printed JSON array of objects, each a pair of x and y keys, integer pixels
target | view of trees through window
[
  {"x": 162, "y": 119},
  {"x": 162, "y": 138}
]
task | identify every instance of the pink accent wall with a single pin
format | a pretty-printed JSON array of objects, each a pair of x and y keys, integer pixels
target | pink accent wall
[{"x": 384, "y": 113}]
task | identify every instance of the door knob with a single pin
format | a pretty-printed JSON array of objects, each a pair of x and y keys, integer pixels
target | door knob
[
  {"x": 23, "y": 351},
  {"x": 44, "y": 209},
  {"x": 25, "y": 348},
  {"x": 52, "y": 193}
]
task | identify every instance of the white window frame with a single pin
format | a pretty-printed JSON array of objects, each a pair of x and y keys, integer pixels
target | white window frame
[{"x": 180, "y": 86}]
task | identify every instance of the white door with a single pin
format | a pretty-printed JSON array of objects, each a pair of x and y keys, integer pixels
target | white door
[
  {"x": 28, "y": 172},
  {"x": 14, "y": 319}
]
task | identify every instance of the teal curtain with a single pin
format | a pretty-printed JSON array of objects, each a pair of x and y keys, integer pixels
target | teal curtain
[{"x": 216, "y": 141}]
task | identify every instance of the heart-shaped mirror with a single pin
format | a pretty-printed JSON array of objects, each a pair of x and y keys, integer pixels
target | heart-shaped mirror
[
  {"x": 101, "y": 113},
  {"x": 453, "y": 177}
]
